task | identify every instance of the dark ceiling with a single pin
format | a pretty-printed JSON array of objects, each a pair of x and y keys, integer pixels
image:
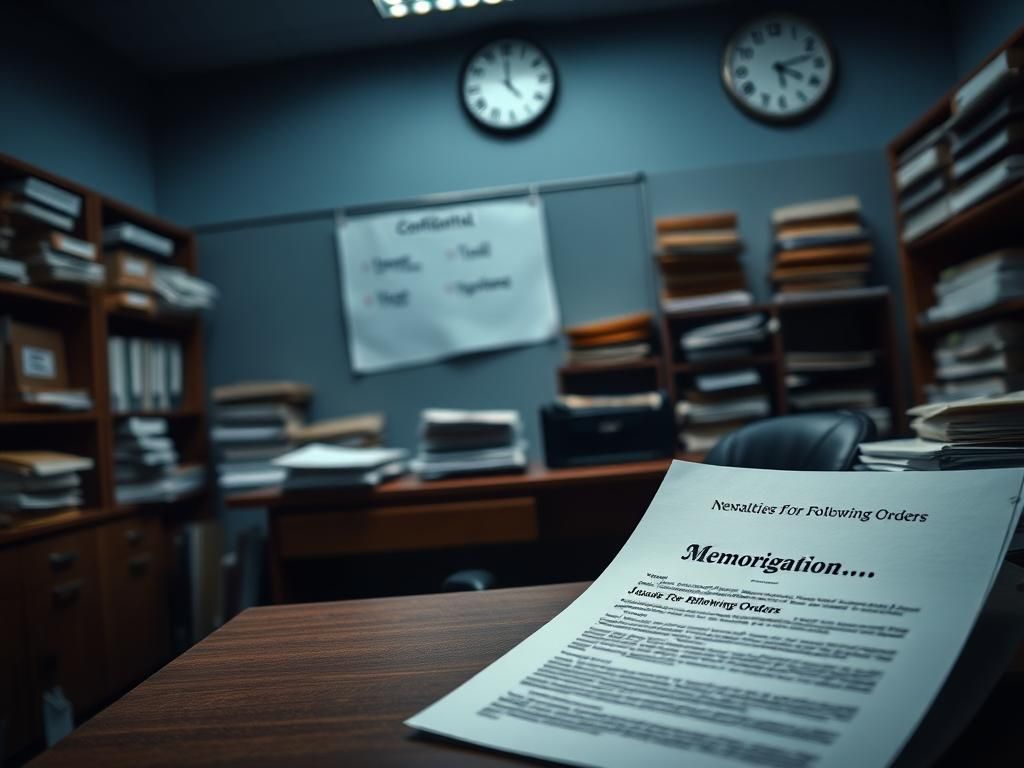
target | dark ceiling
[{"x": 172, "y": 37}]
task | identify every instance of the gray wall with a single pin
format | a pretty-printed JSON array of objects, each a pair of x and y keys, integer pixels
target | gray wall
[
  {"x": 979, "y": 26},
  {"x": 70, "y": 108},
  {"x": 637, "y": 93}
]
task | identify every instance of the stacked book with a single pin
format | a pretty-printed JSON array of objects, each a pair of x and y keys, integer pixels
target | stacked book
[
  {"x": 36, "y": 244},
  {"x": 719, "y": 403},
  {"x": 252, "y": 426},
  {"x": 974, "y": 433},
  {"x": 698, "y": 257},
  {"x": 977, "y": 284},
  {"x": 146, "y": 466},
  {"x": 140, "y": 280},
  {"x": 319, "y": 466},
  {"x": 981, "y": 361},
  {"x": 923, "y": 184},
  {"x": 987, "y": 131},
  {"x": 611, "y": 341},
  {"x": 453, "y": 442},
  {"x": 836, "y": 380},
  {"x": 725, "y": 339},
  {"x": 35, "y": 482},
  {"x": 820, "y": 246}
]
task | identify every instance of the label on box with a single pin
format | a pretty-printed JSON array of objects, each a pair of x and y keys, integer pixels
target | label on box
[
  {"x": 38, "y": 363},
  {"x": 140, "y": 300},
  {"x": 134, "y": 267}
]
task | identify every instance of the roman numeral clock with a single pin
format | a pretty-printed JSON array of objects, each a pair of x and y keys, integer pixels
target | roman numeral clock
[
  {"x": 508, "y": 85},
  {"x": 779, "y": 68}
]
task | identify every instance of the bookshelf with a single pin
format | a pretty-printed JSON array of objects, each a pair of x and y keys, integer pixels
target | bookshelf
[
  {"x": 992, "y": 223},
  {"x": 87, "y": 587},
  {"x": 847, "y": 321}
]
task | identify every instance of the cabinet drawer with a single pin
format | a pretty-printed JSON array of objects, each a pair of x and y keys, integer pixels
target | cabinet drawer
[
  {"x": 15, "y": 678},
  {"x": 59, "y": 559},
  {"x": 133, "y": 574},
  {"x": 405, "y": 528},
  {"x": 65, "y": 626}
]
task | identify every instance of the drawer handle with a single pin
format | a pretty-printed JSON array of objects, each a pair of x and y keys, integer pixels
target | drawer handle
[
  {"x": 61, "y": 560},
  {"x": 134, "y": 536},
  {"x": 65, "y": 593},
  {"x": 139, "y": 562}
]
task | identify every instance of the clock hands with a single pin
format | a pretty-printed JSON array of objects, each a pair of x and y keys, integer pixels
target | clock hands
[
  {"x": 784, "y": 68},
  {"x": 508, "y": 79},
  {"x": 795, "y": 60}
]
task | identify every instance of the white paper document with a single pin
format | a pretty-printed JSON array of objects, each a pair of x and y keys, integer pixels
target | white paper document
[{"x": 755, "y": 618}]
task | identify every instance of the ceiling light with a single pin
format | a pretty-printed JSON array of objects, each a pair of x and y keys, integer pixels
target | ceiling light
[{"x": 398, "y": 9}]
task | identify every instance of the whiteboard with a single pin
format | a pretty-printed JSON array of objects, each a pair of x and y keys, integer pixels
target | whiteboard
[{"x": 425, "y": 284}]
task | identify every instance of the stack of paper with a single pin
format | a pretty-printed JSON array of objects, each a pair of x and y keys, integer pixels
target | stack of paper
[
  {"x": 610, "y": 341},
  {"x": 36, "y": 219},
  {"x": 981, "y": 361},
  {"x": 987, "y": 130},
  {"x": 737, "y": 337},
  {"x": 977, "y": 284},
  {"x": 39, "y": 481},
  {"x": 322, "y": 466},
  {"x": 178, "y": 291},
  {"x": 820, "y": 246},
  {"x": 923, "y": 184},
  {"x": 698, "y": 256},
  {"x": 146, "y": 464},
  {"x": 252, "y": 426},
  {"x": 964, "y": 434},
  {"x": 719, "y": 403},
  {"x": 836, "y": 380},
  {"x": 456, "y": 442}
]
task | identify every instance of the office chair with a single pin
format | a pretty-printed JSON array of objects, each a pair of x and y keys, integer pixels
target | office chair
[{"x": 807, "y": 441}]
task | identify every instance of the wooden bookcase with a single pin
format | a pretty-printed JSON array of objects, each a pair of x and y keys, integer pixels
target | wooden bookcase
[
  {"x": 827, "y": 323},
  {"x": 996, "y": 222},
  {"x": 83, "y": 593}
]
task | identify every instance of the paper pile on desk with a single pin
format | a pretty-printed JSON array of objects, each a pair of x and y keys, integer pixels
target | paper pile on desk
[
  {"x": 333, "y": 466},
  {"x": 456, "y": 442}
]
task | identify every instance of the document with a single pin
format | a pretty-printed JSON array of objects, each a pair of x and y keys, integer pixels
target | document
[{"x": 754, "y": 617}]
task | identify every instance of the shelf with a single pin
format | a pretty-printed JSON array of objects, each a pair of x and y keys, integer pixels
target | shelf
[
  {"x": 180, "y": 413},
  {"x": 717, "y": 312},
  {"x": 721, "y": 365},
  {"x": 157, "y": 322},
  {"x": 842, "y": 297},
  {"x": 37, "y": 293},
  {"x": 1000, "y": 208},
  {"x": 29, "y": 527},
  {"x": 13, "y": 418},
  {"x": 635, "y": 365},
  {"x": 1003, "y": 309}
]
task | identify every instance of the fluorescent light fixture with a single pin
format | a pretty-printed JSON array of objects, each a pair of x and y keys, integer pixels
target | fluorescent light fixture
[{"x": 399, "y": 9}]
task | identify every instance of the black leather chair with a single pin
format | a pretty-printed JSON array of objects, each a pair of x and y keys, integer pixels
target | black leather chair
[{"x": 808, "y": 441}]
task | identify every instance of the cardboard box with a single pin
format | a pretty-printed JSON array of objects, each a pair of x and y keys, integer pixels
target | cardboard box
[{"x": 129, "y": 271}]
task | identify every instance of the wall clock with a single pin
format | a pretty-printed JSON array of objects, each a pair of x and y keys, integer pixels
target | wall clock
[
  {"x": 779, "y": 68},
  {"x": 508, "y": 85}
]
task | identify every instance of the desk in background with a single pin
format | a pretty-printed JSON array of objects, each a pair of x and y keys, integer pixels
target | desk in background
[
  {"x": 549, "y": 507},
  {"x": 331, "y": 683}
]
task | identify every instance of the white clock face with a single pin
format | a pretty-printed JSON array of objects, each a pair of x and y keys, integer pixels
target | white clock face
[
  {"x": 508, "y": 85},
  {"x": 778, "y": 67}
]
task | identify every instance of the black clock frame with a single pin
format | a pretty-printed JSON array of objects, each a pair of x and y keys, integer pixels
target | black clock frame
[
  {"x": 779, "y": 120},
  {"x": 523, "y": 129}
]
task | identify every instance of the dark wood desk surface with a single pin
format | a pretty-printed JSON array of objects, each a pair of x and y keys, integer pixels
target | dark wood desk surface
[
  {"x": 410, "y": 489},
  {"x": 330, "y": 684}
]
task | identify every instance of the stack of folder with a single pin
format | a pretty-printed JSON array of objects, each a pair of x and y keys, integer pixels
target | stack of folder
[
  {"x": 978, "y": 284},
  {"x": 981, "y": 361},
  {"x": 923, "y": 184},
  {"x": 698, "y": 257},
  {"x": 610, "y": 341},
  {"x": 986, "y": 131},
  {"x": 178, "y": 291},
  {"x": 820, "y": 246},
  {"x": 719, "y": 403},
  {"x": 736, "y": 337},
  {"x": 252, "y": 423},
  {"x": 146, "y": 466},
  {"x": 37, "y": 220},
  {"x": 974, "y": 433},
  {"x": 38, "y": 482},
  {"x": 836, "y": 380},
  {"x": 456, "y": 442},
  {"x": 319, "y": 466}
]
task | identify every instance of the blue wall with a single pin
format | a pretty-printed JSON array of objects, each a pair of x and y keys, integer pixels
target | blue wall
[
  {"x": 979, "y": 26},
  {"x": 639, "y": 93},
  {"x": 70, "y": 109}
]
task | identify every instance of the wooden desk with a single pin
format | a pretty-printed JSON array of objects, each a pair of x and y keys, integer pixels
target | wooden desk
[
  {"x": 330, "y": 684},
  {"x": 553, "y": 506}
]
